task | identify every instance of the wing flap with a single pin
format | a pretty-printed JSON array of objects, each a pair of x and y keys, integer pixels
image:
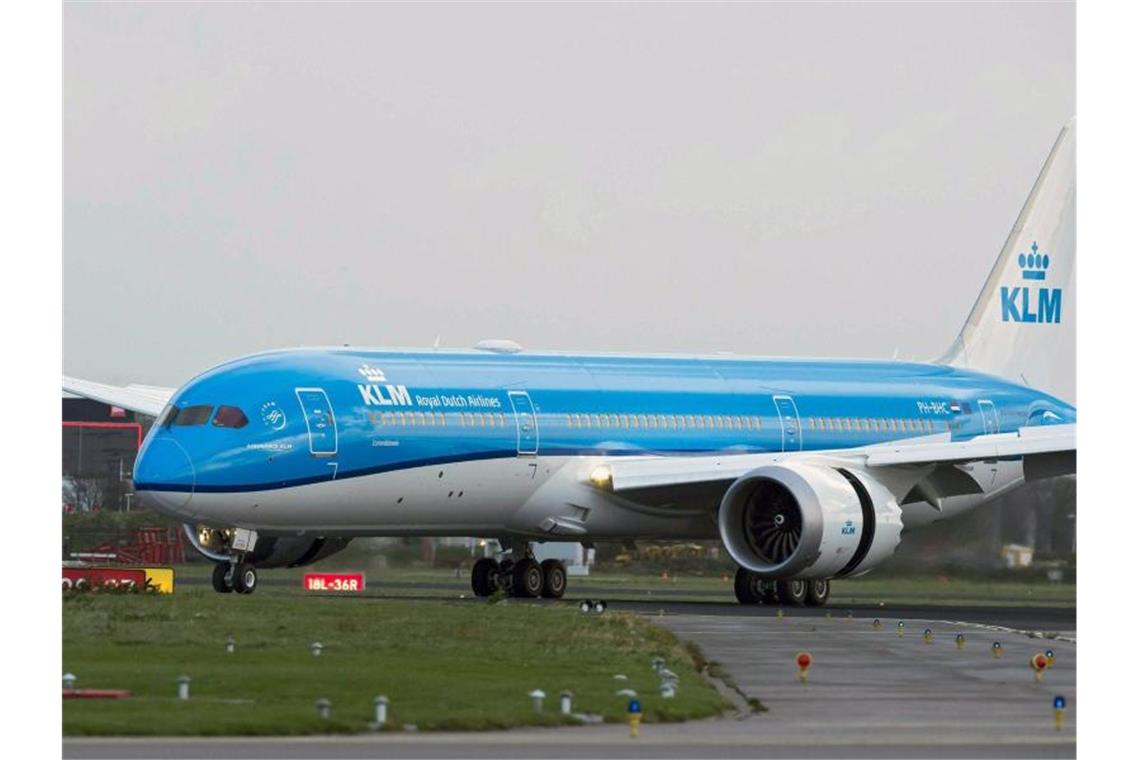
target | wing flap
[{"x": 1028, "y": 441}]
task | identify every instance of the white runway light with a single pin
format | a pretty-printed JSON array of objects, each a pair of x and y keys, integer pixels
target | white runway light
[
  {"x": 380, "y": 711},
  {"x": 536, "y": 698}
]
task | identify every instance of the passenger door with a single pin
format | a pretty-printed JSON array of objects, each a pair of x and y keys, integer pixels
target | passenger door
[
  {"x": 319, "y": 420},
  {"x": 990, "y": 421},
  {"x": 526, "y": 422},
  {"x": 790, "y": 434}
]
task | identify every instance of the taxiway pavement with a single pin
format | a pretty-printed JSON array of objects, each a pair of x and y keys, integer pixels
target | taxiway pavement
[{"x": 869, "y": 693}]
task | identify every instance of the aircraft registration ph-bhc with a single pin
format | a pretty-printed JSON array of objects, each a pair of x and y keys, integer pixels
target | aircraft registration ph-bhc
[{"x": 806, "y": 470}]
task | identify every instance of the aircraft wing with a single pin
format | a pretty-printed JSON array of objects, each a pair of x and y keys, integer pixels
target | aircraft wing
[
  {"x": 146, "y": 399},
  {"x": 1046, "y": 451}
]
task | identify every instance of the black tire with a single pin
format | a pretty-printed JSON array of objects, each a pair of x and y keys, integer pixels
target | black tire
[
  {"x": 553, "y": 579},
  {"x": 817, "y": 592},
  {"x": 526, "y": 579},
  {"x": 221, "y": 582},
  {"x": 245, "y": 578},
  {"x": 768, "y": 593},
  {"x": 482, "y": 582},
  {"x": 792, "y": 593},
  {"x": 746, "y": 586}
]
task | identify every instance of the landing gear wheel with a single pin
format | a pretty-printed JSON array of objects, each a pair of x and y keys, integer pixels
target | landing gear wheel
[
  {"x": 768, "y": 593},
  {"x": 482, "y": 580},
  {"x": 746, "y": 586},
  {"x": 219, "y": 578},
  {"x": 553, "y": 579},
  {"x": 793, "y": 592},
  {"x": 817, "y": 592},
  {"x": 245, "y": 578},
  {"x": 526, "y": 579}
]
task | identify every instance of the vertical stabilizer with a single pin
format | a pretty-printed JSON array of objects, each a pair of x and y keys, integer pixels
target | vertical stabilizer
[{"x": 1023, "y": 325}]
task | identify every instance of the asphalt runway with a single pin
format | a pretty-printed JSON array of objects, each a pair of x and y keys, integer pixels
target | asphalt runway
[
  {"x": 869, "y": 693},
  {"x": 1015, "y": 615}
]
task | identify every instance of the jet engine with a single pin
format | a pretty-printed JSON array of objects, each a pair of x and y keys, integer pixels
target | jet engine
[
  {"x": 270, "y": 551},
  {"x": 808, "y": 520}
]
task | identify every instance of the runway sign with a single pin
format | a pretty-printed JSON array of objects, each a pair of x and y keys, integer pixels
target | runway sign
[
  {"x": 159, "y": 578},
  {"x": 336, "y": 582}
]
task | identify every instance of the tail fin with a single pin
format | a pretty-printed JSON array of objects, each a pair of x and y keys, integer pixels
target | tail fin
[{"x": 1023, "y": 325}]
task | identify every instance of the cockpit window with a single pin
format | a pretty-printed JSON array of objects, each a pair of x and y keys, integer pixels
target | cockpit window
[
  {"x": 230, "y": 417},
  {"x": 167, "y": 416},
  {"x": 192, "y": 415}
]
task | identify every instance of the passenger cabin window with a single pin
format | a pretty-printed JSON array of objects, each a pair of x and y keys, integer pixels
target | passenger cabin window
[
  {"x": 192, "y": 415},
  {"x": 230, "y": 417}
]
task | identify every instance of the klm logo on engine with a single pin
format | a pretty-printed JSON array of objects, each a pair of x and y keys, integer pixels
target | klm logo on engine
[
  {"x": 379, "y": 392},
  {"x": 848, "y": 528},
  {"x": 1026, "y": 303}
]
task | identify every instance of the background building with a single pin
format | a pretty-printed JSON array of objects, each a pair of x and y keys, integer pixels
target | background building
[{"x": 99, "y": 445}]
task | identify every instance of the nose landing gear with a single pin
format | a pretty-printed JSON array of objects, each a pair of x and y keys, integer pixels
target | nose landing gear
[
  {"x": 229, "y": 550},
  {"x": 234, "y": 576}
]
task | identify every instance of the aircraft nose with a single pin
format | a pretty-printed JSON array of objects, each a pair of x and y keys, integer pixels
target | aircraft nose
[{"x": 164, "y": 475}]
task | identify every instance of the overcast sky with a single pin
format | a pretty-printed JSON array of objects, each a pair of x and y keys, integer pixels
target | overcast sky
[{"x": 764, "y": 179}]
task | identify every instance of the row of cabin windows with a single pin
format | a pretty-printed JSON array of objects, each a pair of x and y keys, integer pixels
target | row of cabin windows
[
  {"x": 663, "y": 421},
  {"x": 658, "y": 422},
  {"x": 872, "y": 425},
  {"x": 706, "y": 422},
  {"x": 432, "y": 419}
]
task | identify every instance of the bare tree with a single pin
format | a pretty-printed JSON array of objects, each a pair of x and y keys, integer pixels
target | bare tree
[{"x": 83, "y": 494}]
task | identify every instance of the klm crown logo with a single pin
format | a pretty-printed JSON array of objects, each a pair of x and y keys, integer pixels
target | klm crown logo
[
  {"x": 1033, "y": 266},
  {"x": 1018, "y": 303},
  {"x": 372, "y": 374}
]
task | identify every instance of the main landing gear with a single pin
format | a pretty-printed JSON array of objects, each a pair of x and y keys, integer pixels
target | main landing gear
[
  {"x": 751, "y": 589},
  {"x": 234, "y": 576},
  {"x": 525, "y": 577}
]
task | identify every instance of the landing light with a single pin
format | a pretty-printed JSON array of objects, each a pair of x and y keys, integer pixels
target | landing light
[{"x": 602, "y": 477}]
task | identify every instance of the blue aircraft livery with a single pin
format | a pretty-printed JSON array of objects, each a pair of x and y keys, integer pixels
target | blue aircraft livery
[{"x": 804, "y": 469}]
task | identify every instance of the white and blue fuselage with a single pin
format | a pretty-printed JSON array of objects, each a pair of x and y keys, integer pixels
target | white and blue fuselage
[{"x": 349, "y": 442}]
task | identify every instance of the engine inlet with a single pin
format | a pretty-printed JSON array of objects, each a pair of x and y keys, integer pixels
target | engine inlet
[{"x": 773, "y": 524}]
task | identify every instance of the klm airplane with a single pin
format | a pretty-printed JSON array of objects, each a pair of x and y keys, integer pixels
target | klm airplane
[{"x": 805, "y": 469}]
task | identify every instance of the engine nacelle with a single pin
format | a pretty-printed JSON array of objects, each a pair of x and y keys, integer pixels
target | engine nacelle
[{"x": 808, "y": 520}]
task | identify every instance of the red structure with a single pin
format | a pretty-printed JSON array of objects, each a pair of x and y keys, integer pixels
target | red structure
[{"x": 148, "y": 546}]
